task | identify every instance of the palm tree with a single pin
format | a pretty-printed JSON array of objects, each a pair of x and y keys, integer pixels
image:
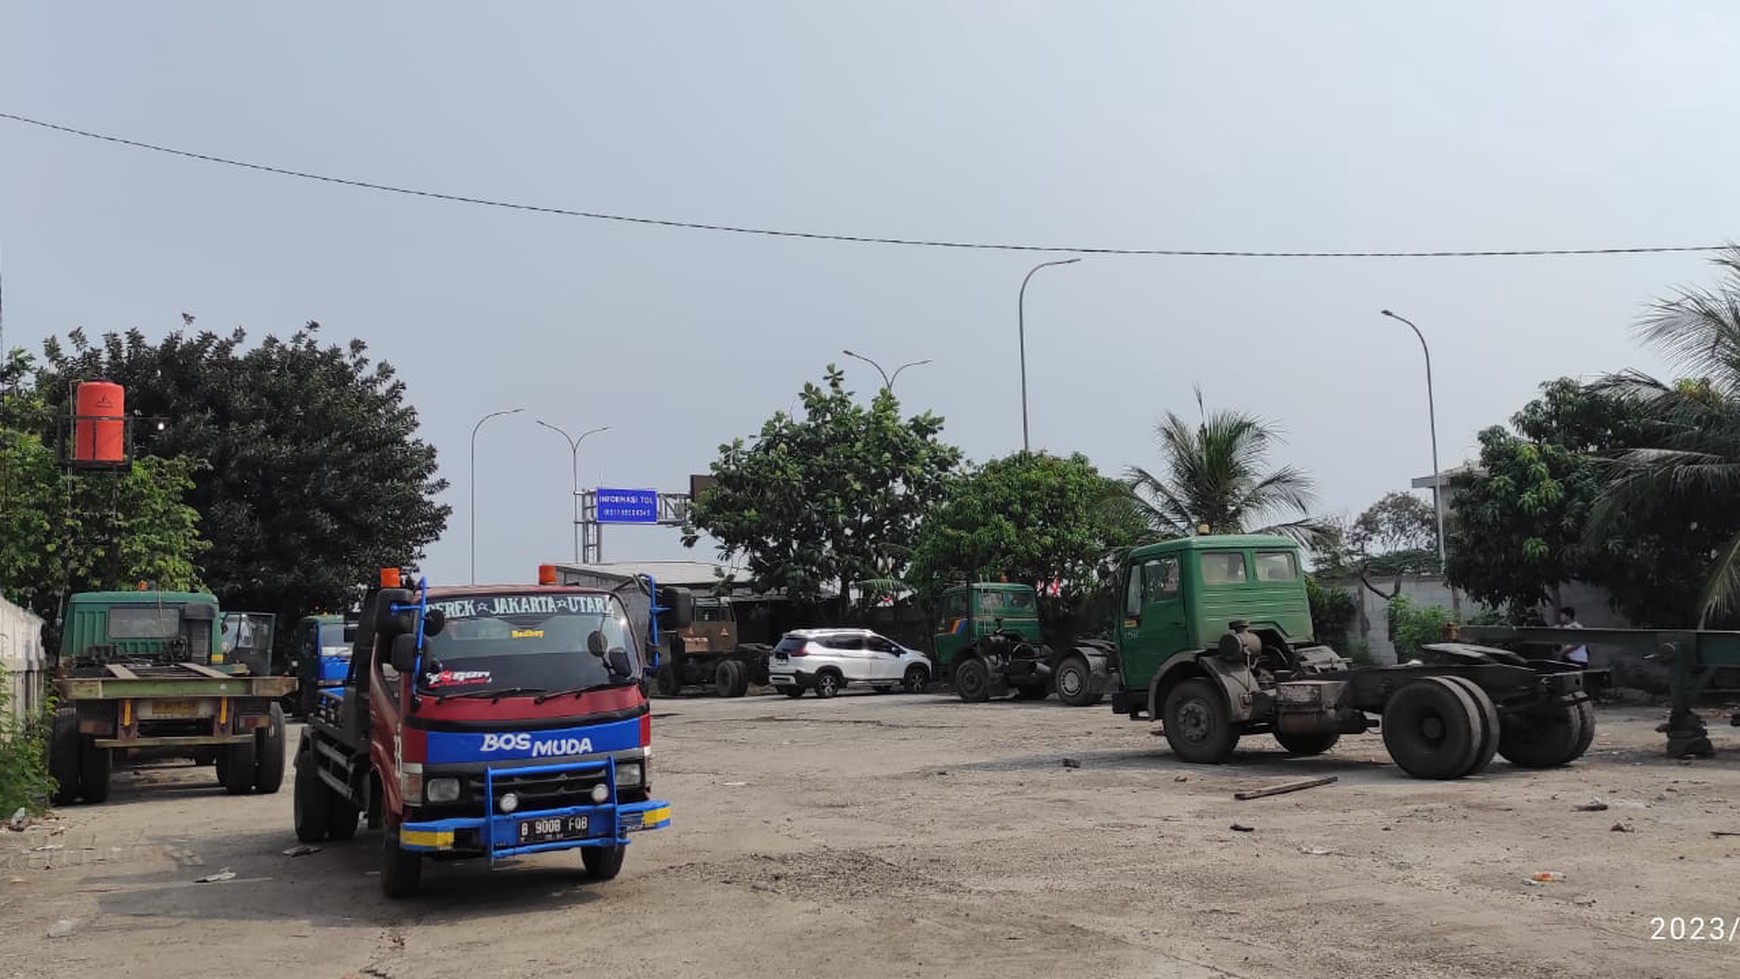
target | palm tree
[
  {"x": 1692, "y": 457},
  {"x": 1214, "y": 475}
]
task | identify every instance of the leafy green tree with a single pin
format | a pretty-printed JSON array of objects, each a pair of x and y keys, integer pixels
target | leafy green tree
[
  {"x": 1032, "y": 518},
  {"x": 1685, "y": 470},
  {"x": 829, "y": 499},
  {"x": 62, "y": 533},
  {"x": 314, "y": 476},
  {"x": 1215, "y": 473}
]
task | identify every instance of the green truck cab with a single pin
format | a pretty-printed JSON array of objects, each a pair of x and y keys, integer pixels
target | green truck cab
[
  {"x": 1215, "y": 642},
  {"x": 989, "y": 642},
  {"x": 144, "y": 673}
]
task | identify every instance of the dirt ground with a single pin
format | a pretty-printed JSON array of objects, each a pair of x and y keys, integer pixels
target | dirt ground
[{"x": 882, "y": 836}]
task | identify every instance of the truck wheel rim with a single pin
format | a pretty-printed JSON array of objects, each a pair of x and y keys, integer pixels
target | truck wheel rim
[
  {"x": 1194, "y": 721},
  {"x": 1069, "y": 681}
]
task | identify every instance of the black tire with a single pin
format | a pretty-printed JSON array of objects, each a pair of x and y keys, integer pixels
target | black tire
[
  {"x": 1075, "y": 683},
  {"x": 670, "y": 683},
  {"x": 1033, "y": 691},
  {"x": 603, "y": 862},
  {"x": 96, "y": 766},
  {"x": 1312, "y": 743},
  {"x": 269, "y": 753},
  {"x": 1541, "y": 741},
  {"x": 1432, "y": 728},
  {"x": 829, "y": 683},
  {"x": 64, "y": 761},
  {"x": 916, "y": 680},
  {"x": 1198, "y": 723},
  {"x": 312, "y": 805},
  {"x": 238, "y": 767},
  {"x": 401, "y": 869},
  {"x": 221, "y": 765},
  {"x": 794, "y": 691},
  {"x": 341, "y": 821},
  {"x": 1586, "y": 714},
  {"x": 727, "y": 680},
  {"x": 973, "y": 680},
  {"x": 1487, "y": 715}
]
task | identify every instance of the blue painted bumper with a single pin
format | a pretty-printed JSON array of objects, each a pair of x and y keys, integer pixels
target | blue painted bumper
[{"x": 496, "y": 835}]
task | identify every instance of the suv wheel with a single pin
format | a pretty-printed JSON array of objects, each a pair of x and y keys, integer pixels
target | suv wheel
[{"x": 828, "y": 683}]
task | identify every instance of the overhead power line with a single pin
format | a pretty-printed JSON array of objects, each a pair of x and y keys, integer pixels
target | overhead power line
[{"x": 854, "y": 239}]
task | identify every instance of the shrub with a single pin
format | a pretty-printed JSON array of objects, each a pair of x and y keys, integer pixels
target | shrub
[
  {"x": 1413, "y": 626},
  {"x": 24, "y": 778}
]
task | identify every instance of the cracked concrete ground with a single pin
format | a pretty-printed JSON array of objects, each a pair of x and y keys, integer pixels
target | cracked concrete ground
[{"x": 872, "y": 836}]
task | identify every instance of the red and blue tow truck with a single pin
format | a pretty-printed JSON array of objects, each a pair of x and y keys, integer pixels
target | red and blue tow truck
[{"x": 489, "y": 721}]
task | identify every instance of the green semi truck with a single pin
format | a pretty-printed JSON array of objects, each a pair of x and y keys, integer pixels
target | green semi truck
[
  {"x": 144, "y": 673},
  {"x": 989, "y": 643},
  {"x": 1215, "y": 642}
]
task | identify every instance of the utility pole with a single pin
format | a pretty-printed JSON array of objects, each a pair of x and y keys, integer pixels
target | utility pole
[
  {"x": 473, "y": 494},
  {"x": 574, "y": 452},
  {"x": 1021, "y": 329}
]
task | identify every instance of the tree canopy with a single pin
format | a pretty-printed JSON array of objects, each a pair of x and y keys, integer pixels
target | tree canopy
[
  {"x": 1215, "y": 473},
  {"x": 835, "y": 497},
  {"x": 1032, "y": 517},
  {"x": 312, "y": 474}
]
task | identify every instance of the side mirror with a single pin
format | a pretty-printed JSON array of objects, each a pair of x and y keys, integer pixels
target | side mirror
[
  {"x": 434, "y": 620},
  {"x": 404, "y": 656},
  {"x": 679, "y": 606},
  {"x": 618, "y": 663}
]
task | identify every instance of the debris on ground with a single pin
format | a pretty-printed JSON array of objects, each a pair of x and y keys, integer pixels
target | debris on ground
[
  {"x": 1623, "y": 827},
  {"x": 222, "y": 875},
  {"x": 1072, "y": 763},
  {"x": 1724, "y": 832},
  {"x": 1315, "y": 851},
  {"x": 62, "y": 928},
  {"x": 1593, "y": 805},
  {"x": 19, "y": 820},
  {"x": 1242, "y": 828},
  {"x": 734, "y": 785},
  {"x": 1584, "y": 901},
  {"x": 44, "y": 848},
  {"x": 1308, "y": 783},
  {"x": 1545, "y": 877},
  {"x": 302, "y": 850},
  {"x": 1180, "y": 778}
]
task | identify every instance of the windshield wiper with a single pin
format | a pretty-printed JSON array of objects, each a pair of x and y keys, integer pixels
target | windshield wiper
[
  {"x": 577, "y": 691},
  {"x": 491, "y": 694}
]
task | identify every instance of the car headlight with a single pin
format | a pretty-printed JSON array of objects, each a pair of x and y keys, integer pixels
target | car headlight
[
  {"x": 630, "y": 775},
  {"x": 509, "y": 802},
  {"x": 600, "y": 793},
  {"x": 442, "y": 789}
]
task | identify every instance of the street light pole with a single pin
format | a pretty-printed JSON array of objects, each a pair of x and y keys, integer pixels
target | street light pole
[
  {"x": 473, "y": 491},
  {"x": 887, "y": 379},
  {"x": 1432, "y": 416},
  {"x": 1021, "y": 328},
  {"x": 574, "y": 453}
]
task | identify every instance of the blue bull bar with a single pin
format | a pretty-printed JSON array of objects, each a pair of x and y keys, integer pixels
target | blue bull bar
[{"x": 607, "y": 823}]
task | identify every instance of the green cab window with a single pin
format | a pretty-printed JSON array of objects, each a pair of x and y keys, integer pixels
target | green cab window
[
  {"x": 1277, "y": 566},
  {"x": 1223, "y": 568}
]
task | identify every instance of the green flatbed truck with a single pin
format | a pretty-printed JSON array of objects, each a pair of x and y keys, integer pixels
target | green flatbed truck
[
  {"x": 1215, "y": 642},
  {"x": 143, "y": 673}
]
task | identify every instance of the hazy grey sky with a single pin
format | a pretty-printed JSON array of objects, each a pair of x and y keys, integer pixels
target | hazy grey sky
[{"x": 1262, "y": 126}]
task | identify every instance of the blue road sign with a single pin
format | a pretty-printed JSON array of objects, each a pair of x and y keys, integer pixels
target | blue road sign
[{"x": 628, "y": 506}]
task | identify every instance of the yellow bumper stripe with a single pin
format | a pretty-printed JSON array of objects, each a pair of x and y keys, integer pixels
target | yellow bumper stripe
[{"x": 439, "y": 839}]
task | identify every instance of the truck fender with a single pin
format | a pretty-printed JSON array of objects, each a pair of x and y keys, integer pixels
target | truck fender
[{"x": 1234, "y": 679}]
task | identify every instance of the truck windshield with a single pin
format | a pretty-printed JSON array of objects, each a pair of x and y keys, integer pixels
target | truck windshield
[
  {"x": 541, "y": 642},
  {"x": 144, "y": 622}
]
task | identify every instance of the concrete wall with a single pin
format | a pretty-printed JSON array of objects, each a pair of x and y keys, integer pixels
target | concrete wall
[
  {"x": 25, "y": 660},
  {"x": 1371, "y": 624}
]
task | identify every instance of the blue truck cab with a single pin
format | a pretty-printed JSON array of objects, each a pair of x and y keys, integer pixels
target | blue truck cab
[{"x": 489, "y": 721}]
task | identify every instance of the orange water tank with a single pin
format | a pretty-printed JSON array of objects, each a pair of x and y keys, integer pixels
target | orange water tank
[{"x": 100, "y": 424}]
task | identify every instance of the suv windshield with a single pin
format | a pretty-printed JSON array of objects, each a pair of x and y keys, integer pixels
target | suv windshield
[{"x": 535, "y": 642}]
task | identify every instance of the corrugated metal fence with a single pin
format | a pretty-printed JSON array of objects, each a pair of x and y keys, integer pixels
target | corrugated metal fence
[{"x": 25, "y": 660}]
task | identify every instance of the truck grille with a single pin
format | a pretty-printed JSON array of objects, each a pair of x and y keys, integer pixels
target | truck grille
[{"x": 551, "y": 790}]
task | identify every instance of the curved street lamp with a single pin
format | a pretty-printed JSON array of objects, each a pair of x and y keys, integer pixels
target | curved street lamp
[
  {"x": 887, "y": 379},
  {"x": 1432, "y": 416},
  {"x": 473, "y": 491},
  {"x": 574, "y": 452},
  {"x": 1021, "y": 327}
]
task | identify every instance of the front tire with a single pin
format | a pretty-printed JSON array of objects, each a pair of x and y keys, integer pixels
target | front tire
[
  {"x": 1198, "y": 724},
  {"x": 728, "y": 680},
  {"x": 916, "y": 680},
  {"x": 973, "y": 680},
  {"x": 603, "y": 862},
  {"x": 63, "y": 755},
  {"x": 96, "y": 767},
  {"x": 312, "y": 804},
  {"x": 401, "y": 869},
  {"x": 237, "y": 769}
]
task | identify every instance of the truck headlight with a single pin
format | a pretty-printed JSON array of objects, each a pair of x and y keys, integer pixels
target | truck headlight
[
  {"x": 442, "y": 789},
  {"x": 600, "y": 793},
  {"x": 630, "y": 775}
]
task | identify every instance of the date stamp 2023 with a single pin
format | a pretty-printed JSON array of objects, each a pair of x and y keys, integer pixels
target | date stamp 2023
[{"x": 1693, "y": 928}]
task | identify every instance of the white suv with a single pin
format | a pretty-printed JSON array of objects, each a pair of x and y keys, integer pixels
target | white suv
[{"x": 826, "y": 660}]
